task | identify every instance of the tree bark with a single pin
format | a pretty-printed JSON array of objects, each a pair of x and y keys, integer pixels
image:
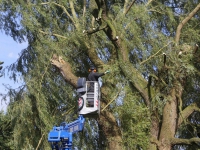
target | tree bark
[{"x": 169, "y": 121}]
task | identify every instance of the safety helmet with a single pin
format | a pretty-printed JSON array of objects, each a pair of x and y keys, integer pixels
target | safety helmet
[{"x": 92, "y": 68}]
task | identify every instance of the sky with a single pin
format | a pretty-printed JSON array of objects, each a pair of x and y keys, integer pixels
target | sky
[{"x": 9, "y": 53}]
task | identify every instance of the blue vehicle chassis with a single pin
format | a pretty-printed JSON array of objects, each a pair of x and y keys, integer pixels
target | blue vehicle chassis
[{"x": 61, "y": 137}]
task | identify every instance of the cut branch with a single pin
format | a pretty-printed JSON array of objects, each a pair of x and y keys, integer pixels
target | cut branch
[
  {"x": 65, "y": 69},
  {"x": 180, "y": 26},
  {"x": 94, "y": 30}
]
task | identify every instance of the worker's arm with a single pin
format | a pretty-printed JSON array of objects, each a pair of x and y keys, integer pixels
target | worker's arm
[
  {"x": 101, "y": 74},
  {"x": 108, "y": 71}
]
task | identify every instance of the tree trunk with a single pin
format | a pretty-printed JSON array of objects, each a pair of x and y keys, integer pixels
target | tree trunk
[
  {"x": 169, "y": 121},
  {"x": 111, "y": 130}
]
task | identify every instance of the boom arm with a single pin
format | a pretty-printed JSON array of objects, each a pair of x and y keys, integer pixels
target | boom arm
[
  {"x": 64, "y": 134},
  {"x": 89, "y": 104}
]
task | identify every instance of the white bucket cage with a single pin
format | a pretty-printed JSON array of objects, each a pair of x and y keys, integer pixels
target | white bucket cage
[{"x": 89, "y": 97}]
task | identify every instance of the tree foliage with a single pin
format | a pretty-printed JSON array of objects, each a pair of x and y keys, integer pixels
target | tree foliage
[
  {"x": 5, "y": 132},
  {"x": 149, "y": 47}
]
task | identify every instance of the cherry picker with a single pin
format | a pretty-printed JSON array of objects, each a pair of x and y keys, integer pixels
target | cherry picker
[{"x": 88, "y": 105}]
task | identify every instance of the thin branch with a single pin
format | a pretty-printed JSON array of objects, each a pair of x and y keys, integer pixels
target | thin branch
[
  {"x": 66, "y": 113},
  {"x": 155, "y": 53},
  {"x": 42, "y": 76},
  {"x": 74, "y": 13},
  {"x": 64, "y": 9},
  {"x": 130, "y": 6},
  {"x": 180, "y": 26},
  {"x": 154, "y": 76},
  {"x": 84, "y": 7},
  {"x": 149, "y": 1},
  {"x": 45, "y": 3},
  {"x": 155, "y": 11},
  {"x": 57, "y": 35},
  {"x": 111, "y": 101},
  {"x": 94, "y": 30},
  {"x": 39, "y": 142},
  {"x": 125, "y": 6}
]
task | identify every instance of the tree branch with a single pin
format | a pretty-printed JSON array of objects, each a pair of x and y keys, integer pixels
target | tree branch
[
  {"x": 103, "y": 15},
  {"x": 155, "y": 53},
  {"x": 84, "y": 7},
  {"x": 180, "y": 104},
  {"x": 155, "y": 141},
  {"x": 64, "y": 9},
  {"x": 94, "y": 30},
  {"x": 57, "y": 35},
  {"x": 111, "y": 100},
  {"x": 149, "y": 1},
  {"x": 187, "y": 112},
  {"x": 39, "y": 142},
  {"x": 93, "y": 56},
  {"x": 178, "y": 141},
  {"x": 136, "y": 79},
  {"x": 74, "y": 13},
  {"x": 113, "y": 34},
  {"x": 129, "y": 7},
  {"x": 125, "y": 6},
  {"x": 180, "y": 26},
  {"x": 65, "y": 69}
]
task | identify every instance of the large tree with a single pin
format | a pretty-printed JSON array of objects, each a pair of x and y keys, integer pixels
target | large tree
[
  {"x": 5, "y": 127},
  {"x": 150, "y": 99}
]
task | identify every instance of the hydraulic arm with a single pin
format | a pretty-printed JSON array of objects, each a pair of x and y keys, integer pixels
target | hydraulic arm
[
  {"x": 61, "y": 137},
  {"x": 89, "y": 105}
]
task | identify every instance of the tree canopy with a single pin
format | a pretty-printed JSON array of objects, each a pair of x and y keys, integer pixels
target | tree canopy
[{"x": 150, "y": 100}]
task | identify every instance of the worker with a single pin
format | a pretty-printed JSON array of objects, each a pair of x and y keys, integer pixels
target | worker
[{"x": 94, "y": 76}]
